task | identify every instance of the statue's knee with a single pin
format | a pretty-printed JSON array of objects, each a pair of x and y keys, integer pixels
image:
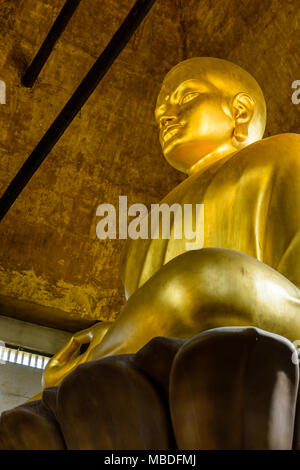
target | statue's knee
[
  {"x": 208, "y": 256},
  {"x": 203, "y": 280},
  {"x": 207, "y": 264},
  {"x": 217, "y": 264},
  {"x": 187, "y": 278}
]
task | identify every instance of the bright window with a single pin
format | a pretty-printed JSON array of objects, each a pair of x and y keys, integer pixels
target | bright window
[{"x": 22, "y": 356}]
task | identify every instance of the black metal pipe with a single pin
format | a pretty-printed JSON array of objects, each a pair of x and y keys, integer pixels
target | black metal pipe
[
  {"x": 81, "y": 95},
  {"x": 33, "y": 71}
]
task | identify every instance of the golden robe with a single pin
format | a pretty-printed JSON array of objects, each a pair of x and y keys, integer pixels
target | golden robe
[{"x": 251, "y": 204}]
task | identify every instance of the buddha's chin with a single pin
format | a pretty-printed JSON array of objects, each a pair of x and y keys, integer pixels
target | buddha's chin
[
  {"x": 177, "y": 165},
  {"x": 182, "y": 156}
]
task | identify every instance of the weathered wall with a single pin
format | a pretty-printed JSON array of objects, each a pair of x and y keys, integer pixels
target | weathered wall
[
  {"x": 17, "y": 384},
  {"x": 49, "y": 253},
  {"x": 32, "y": 337},
  {"x": 261, "y": 36}
]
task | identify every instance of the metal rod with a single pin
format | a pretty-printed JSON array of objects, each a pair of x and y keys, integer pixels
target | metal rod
[
  {"x": 68, "y": 10},
  {"x": 81, "y": 95}
]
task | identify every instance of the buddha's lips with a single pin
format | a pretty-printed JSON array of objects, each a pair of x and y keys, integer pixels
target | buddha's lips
[{"x": 170, "y": 131}]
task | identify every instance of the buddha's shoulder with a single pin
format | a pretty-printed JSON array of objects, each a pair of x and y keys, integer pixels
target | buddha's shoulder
[{"x": 281, "y": 151}]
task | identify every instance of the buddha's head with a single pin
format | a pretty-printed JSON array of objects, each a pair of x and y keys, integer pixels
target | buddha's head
[{"x": 208, "y": 106}]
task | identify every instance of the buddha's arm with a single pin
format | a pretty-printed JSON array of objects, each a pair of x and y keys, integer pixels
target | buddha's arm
[{"x": 205, "y": 289}]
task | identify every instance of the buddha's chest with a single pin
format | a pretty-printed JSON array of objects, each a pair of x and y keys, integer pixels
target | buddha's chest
[{"x": 223, "y": 210}]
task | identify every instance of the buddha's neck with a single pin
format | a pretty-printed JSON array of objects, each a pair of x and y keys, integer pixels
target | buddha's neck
[{"x": 211, "y": 158}]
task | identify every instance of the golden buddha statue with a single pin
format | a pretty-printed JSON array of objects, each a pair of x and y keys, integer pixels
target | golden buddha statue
[{"x": 246, "y": 271}]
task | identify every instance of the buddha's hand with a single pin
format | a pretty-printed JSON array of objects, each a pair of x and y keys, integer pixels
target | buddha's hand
[{"x": 69, "y": 357}]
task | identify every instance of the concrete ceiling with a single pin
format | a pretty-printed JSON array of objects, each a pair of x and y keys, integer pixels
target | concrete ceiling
[{"x": 53, "y": 269}]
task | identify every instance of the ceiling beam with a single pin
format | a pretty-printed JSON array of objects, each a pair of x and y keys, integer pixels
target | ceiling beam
[
  {"x": 36, "y": 66},
  {"x": 74, "y": 105}
]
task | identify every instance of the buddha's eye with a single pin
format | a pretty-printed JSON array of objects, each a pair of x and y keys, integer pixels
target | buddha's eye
[{"x": 189, "y": 97}]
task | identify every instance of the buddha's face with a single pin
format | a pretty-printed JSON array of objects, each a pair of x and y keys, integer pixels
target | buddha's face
[{"x": 193, "y": 119}]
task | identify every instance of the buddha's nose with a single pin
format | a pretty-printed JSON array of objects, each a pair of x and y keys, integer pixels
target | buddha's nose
[{"x": 165, "y": 121}]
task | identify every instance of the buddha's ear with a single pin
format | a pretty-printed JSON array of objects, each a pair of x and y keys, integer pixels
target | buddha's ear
[{"x": 242, "y": 111}]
